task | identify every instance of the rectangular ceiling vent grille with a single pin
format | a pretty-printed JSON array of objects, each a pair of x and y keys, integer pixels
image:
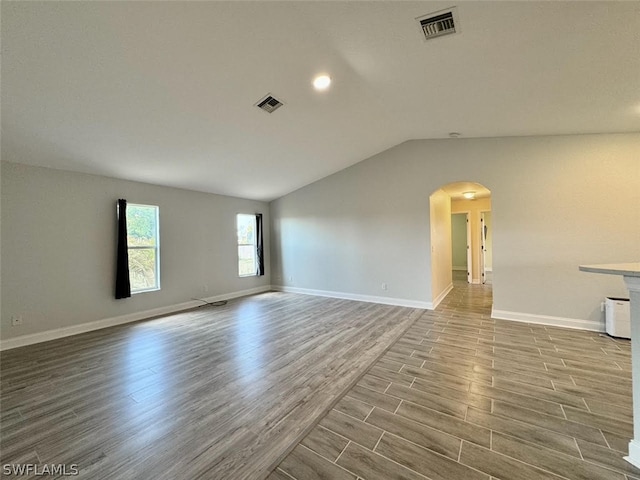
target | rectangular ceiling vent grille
[
  {"x": 439, "y": 24},
  {"x": 269, "y": 104}
]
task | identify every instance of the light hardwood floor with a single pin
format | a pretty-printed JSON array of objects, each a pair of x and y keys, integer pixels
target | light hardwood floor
[
  {"x": 463, "y": 397},
  {"x": 231, "y": 392},
  {"x": 215, "y": 393}
]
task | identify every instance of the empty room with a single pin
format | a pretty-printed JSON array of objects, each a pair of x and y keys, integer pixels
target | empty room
[{"x": 295, "y": 240}]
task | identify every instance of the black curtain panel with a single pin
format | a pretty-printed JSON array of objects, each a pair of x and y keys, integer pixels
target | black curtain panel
[
  {"x": 259, "y": 247},
  {"x": 123, "y": 286}
]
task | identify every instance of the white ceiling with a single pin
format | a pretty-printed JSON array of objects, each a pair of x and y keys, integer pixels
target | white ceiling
[
  {"x": 457, "y": 190},
  {"x": 164, "y": 92}
]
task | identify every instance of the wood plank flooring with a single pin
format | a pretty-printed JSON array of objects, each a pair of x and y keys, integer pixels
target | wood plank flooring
[
  {"x": 463, "y": 397},
  {"x": 215, "y": 393}
]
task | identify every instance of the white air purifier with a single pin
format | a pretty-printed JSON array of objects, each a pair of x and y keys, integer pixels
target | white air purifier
[{"x": 618, "y": 317}]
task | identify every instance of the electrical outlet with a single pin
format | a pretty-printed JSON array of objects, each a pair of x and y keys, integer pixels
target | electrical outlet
[
  {"x": 384, "y": 286},
  {"x": 290, "y": 278},
  {"x": 16, "y": 320}
]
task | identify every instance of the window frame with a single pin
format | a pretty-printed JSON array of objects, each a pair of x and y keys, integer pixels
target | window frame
[
  {"x": 155, "y": 247},
  {"x": 254, "y": 245}
]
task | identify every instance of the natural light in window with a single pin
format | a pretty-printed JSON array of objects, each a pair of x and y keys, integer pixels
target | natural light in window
[
  {"x": 247, "y": 258},
  {"x": 144, "y": 252}
]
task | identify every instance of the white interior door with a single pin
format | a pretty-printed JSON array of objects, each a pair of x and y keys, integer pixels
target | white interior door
[
  {"x": 483, "y": 248},
  {"x": 469, "y": 255}
]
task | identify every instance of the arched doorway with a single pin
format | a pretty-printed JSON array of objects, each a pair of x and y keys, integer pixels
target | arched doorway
[{"x": 461, "y": 236}]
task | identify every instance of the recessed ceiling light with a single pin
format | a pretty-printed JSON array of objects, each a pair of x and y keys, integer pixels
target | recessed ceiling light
[
  {"x": 321, "y": 82},
  {"x": 469, "y": 195}
]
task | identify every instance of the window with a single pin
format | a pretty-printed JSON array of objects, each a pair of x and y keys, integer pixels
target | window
[
  {"x": 143, "y": 244},
  {"x": 247, "y": 258}
]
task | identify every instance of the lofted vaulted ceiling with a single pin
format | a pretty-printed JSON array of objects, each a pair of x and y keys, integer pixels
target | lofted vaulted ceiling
[{"x": 165, "y": 92}]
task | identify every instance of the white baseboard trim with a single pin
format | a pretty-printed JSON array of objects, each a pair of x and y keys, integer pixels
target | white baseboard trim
[
  {"x": 488, "y": 269},
  {"x": 400, "y": 302},
  {"x": 40, "y": 337},
  {"x": 634, "y": 453},
  {"x": 463, "y": 268},
  {"x": 440, "y": 297},
  {"x": 547, "y": 320}
]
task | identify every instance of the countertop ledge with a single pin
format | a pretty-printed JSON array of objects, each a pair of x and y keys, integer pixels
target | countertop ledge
[{"x": 626, "y": 269}]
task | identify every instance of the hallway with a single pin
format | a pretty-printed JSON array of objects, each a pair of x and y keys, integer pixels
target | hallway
[{"x": 464, "y": 396}]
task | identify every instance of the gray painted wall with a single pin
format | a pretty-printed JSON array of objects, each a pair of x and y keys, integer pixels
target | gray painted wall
[
  {"x": 557, "y": 202},
  {"x": 58, "y": 247},
  {"x": 459, "y": 240}
]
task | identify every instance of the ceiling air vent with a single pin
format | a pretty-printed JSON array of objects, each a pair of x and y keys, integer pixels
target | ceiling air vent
[
  {"x": 269, "y": 104},
  {"x": 439, "y": 23}
]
